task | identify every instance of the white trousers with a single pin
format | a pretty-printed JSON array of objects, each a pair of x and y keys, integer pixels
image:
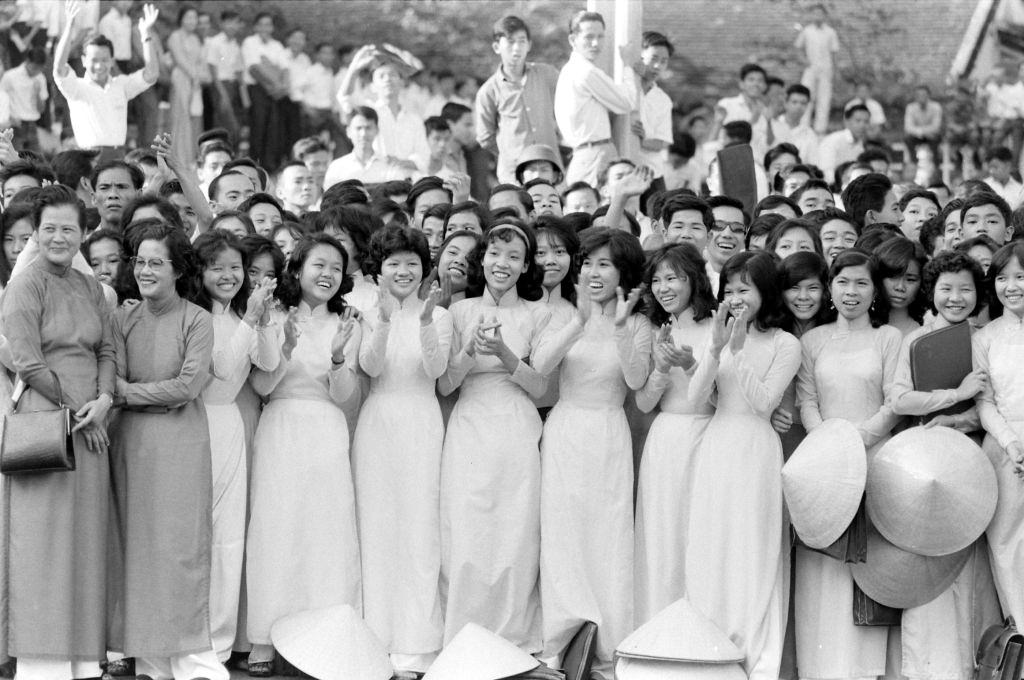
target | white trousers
[
  {"x": 818, "y": 80},
  {"x": 183, "y": 667},
  {"x": 586, "y": 163},
  {"x": 34, "y": 668}
]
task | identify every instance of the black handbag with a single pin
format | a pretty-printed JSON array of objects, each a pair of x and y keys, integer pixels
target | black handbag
[
  {"x": 867, "y": 612},
  {"x": 37, "y": 441},
  {"x": 1000, "y": 653}
]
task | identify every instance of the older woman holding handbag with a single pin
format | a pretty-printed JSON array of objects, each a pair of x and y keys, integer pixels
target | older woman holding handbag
[{"x": 56, "y": 323}]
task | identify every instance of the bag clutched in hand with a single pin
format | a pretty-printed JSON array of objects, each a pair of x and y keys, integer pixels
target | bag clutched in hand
[{"x": 37, "y": 441}]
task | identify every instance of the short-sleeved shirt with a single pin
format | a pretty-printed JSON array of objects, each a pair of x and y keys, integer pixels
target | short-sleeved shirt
[
  {"x": 656, "y": 115},
  {"x": 24, "y": 91},
  {"x": 254, "y": 49},
  {"x": 117, "y": 28},
  {"x": 99, "y": 114},
  {"x": 819, "y": 44},
  {"x": 224, "y": 55}
]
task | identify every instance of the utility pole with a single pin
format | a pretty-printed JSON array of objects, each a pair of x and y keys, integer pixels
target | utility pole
[{"x": 623, "y": 24}]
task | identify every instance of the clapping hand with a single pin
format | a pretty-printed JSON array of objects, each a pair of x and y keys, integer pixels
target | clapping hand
[
  {"x": 433, "y": 299},
  {"x": 291, "y": 333},
  {"x": 624, "y": 305},
  {"x": 1016, "y": 453},
  {"x": 586, "y": 306},
  {"x": 387, "y": 304},
  {"x": 346, "y": 327},
  {"x": 260, "y": 299}
]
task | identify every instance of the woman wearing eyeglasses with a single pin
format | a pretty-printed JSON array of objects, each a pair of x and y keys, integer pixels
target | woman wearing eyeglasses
[
  {"x": 56, "y": 322},
  {"x": 161, "y": 447}
]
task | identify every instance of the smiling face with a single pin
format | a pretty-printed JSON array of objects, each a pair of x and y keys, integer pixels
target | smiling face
[
  {"x": 433, "y": 229},
  {"x": 504, "y": 262},
  {"x": 794, "y": 240},
  {"x": 113, "y": 190},
  {"x": 726, "y": 238},
  {"x": 687, "y": 226},
  {"x": 1009, "y": 285},
  {"x": 265, "y": 217},
  {"x": 223, "y": 278},
  {"x": 97, "y": 61},
  {"x": 672, "y": 289},
  {"x": 804, "y": 299},
  {"x": 742, "y": 296},
  {"x": 261, "y": 267},
  {"x": 454, "y": 260},
  {"x": 552, "y": 258},
  {"x": 600, "y": 275},
  {"x": 105, "y": 260},
  {"x": 955, "y": 295},
  {"x": 401, "y": 274},
  {"x": 588, "y": 40},
  {"x": 59, "y": 234},
  {"x": 853, "y": 292},
  {"x": 16, "y": 238},
  {"x": 837, "y": 236},
  {"x": 154, "y": 272},
  {"x": 322, "y": 274}
]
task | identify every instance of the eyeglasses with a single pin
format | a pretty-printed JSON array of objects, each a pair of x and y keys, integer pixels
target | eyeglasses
[
  {"x": 142, "y": 263},
  {"x": 734, "y": 227}
]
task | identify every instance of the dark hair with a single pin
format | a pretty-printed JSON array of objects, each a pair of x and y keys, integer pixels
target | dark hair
[
  {"x": 185, "y": 8},
  {"x": 951, "y": 262},
  {"x": 478, "y": 209},
  {"x": 811, "y": 184},
  {"x": 799, "y": 267},
  {"x": 848, "y": 113},
  {"x": 140, "y": 158},
  {"x": 390, "y": 240},
  {"x": 213, "y": 146},
  {"x": 206, "y": 248},
  {"x": 932, "y": 229},
  {"x": 249, "y": 163},
  {"x": 684, "y": 202},
  {"x": 655, "y": 39},
  {"x": 422, "y": 186},
  {"x": 865, "y": 193},
  {"x": 582, "y": 16},
  {"x": 686, "y": 260},
  {"x": 757, "y": 269},
  {"x": 634, "y": 225},
  {"x": 1014, "y": 250},
  {"x": 99, "y": 40},
  {"x": 40, "y": 172},
  {"x": 999, "y": 153},
  {"x": 749, "y": 68},
  {"x": 780, "y": 150},
  {"x": 873, "y": 154},
  {"x": 739, "y": 130},
  {"x": 256, "y": 245},
  {"x": 436, "y": 124},
  {"x": 214, "y": 187},
  {"x": 524, "y": 197},
  {"x": 894, "y": 257},
  {"x": 825, "y": 215},
  {"x": 137, "y": 178},
  {"x": 179, "y": 250},
  {"x": 15, "y": 213},
  {"x": 170, "y": 188},
  {"x": 578, "y": 221},
  {"x": 877, "y": 234},
  {"x": 228, "y": 15},
  {"x": 102, "y": 235},
  {"x": 357, "y": 223},
  {"x": 347, "y": 193},
  {"x": 36, "y": 55},
  {"x": 168, "y": 212},
  {"x": 581, "y": 186},
  {"x": 529, "y": 286},
  {"x": 878, "y": 312},
  {"x": 390, "y": 188},
  {"x": 626, "y": 254},
  {"x": 984, "y": 198},
  {"x": 969, "y": 187},
  {"x": 242, "y": 217},
  {"x": 729, "y": 202},
  {"x": 257, "y": 199},
  {"x": 780, "y": 230},
  {"x": 557, "y": 228},
  {"x": 454, "y": 111},
  {"x": 289, "y": 292},
  {"x": 797, "y": 88},
  {"x": 762, "y": 225},
  {"x": 306, "y": 146},
  {"x": 772, "y": 201},
  {"x": 383, "y": 206},
  {"x": 508, "y": 26},
  {"x": 366, "y": 112},
  {"x": 439, "y": 211},
  {"x": 72, "y": 165},
  {"x": 918, "y": 193},
  {"x": 50, "y": 197}
]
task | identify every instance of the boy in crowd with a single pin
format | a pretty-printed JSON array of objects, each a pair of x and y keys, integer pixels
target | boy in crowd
[
  {"x": 580, "y": 197},
  {"x": 295, "y": 188},
  {"x": 25, "y": 85},
  {"x": 523, "y": 91},
  {"x": 791, "y": 128},
  {"x": 726, "y": 237},
  {"x": 440, "y": 160},
  {"x": 469, "y": 157},
  {"x": 846, "y": 144},
  {"x": 999, "y": 163},
  {"x": 213, "y": 156},
  {"x": 228, "y": 190},
  {"x": 869, "y": 199},
  {"x": 224, "y": 55},
  {"x": 654, "y": 127},
  {"x": 546, "y": 200},
  {"x": 116, "y": 26},
  {"x": 512, "y": 196},
  {"x": 586, "y": 95},
  {"x": 98, "y": 103},
  {"x": 364, "y": 162},
  {"x": 315, "y": 155},
  {"x": 23, "y": 174},
  {"x": 985, "y": 214},
  {"x": 687, "y": 219},
  {"x": 748, "y": 106}
]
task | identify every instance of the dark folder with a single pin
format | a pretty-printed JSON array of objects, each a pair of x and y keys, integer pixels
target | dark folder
[
  {"x": 941, "y": 360},
  {"x": 736, "y": 167}
]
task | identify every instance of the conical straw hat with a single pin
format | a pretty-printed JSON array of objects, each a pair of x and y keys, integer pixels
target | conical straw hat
[
  {"x": 897, "y": 578},
  {"x": 332, "y": 643},
  {"x": 476, "y": 653},
  {"x": 648, "y": 669},
  {"x": 680, "y": 633},
  {"x": 824, "y": 481},
  {"x": 931, "y": 490}
]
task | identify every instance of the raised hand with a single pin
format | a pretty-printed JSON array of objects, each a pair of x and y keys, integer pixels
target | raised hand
[
  {"x": 260, "y": 297},
  {"x": 71, "y": 10},
  {"x": 433, "y": 299},
  {"x": 387, "y": 305},
  {"x": 721, "y": 330},
  {"x": 458, "y": 184},
  {"x": 291, "y": 333},
  {"x": 624, "y": 305},
  {"x": 739, "y": 332},
  {"x": 148, "y": 19},
  {"x": 346, "y": 327}
]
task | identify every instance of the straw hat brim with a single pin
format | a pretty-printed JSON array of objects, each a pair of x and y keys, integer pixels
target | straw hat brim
[
  {"x": 823, "y": 482},
  {"x": 476, "y": 653},
  {"x": 645, "y": 669},
  {"x": 332, "y": 643}
]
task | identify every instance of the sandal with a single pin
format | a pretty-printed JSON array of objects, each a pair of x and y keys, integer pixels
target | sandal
[{"x": 261, "y": 669}]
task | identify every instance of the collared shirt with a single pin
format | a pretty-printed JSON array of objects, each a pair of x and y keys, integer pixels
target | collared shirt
[
  {"x": 26, "y": 92},
  {"x": 836, "y": 149},
  {"x": 298, "y": 66},
  {"x": 819, "y": 44},
  {"x": 737, "y": 108},
  {"x": 803, "y": 137},
  {"x": 99, "y": 114},
  {"x": 117, "y": 28},
  {"x": 874, "y": 108},
  {"x": 400, "y": 135},
  {"x": 512, "y": 115},
  {"x": 584, "y": 97},
  {"x": 656, "y": 115},
  {"x": 923, "y": 121},
  {"x": 253, "y": 51},
  {"x": 224, "y": 55},
  {"x": 374, "y": 171},
  {"x": 317, "y": 87},
  {"x": 1012, "y": 192}
]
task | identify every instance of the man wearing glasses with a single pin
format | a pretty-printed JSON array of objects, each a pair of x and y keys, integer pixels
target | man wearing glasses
[{"x": 726, "y": 236}]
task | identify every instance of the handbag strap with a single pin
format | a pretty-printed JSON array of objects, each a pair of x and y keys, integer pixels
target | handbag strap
[{"x": 20, "y": 386}]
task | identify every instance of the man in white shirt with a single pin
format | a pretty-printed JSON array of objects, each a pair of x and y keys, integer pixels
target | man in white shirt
[
  {"x": 400, "y": 131},
  {"x": 116, "y": 26},
  {"x": 25, "y": 87},
  {"x": 297, "y": 65},
  {"x": 862, "y": 95},
  {"x": 224, "y": 55},
  {"x": 846, "y": 144},
  {"x": 790, "y": 126},
  {"x": 999, "y": 162},
  {"x": 316, "y": 88},
  {"x": 655, "y": 125},
  {"x": 922, "y": 121},
  {"x": 364, "y": 163},
  {"x": 585, "y": 96},
  {"x": 749, "y": 106},
  {"x": 98, "y": 103},
  {"x": 819, "y": 42},
  {"x": 266, "y": 78}
]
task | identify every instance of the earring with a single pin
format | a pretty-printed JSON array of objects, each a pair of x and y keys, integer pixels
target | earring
[{"x": 872, "y": 308}]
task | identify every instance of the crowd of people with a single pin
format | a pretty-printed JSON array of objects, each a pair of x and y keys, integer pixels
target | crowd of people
[{"x": 483, "y": 368}]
